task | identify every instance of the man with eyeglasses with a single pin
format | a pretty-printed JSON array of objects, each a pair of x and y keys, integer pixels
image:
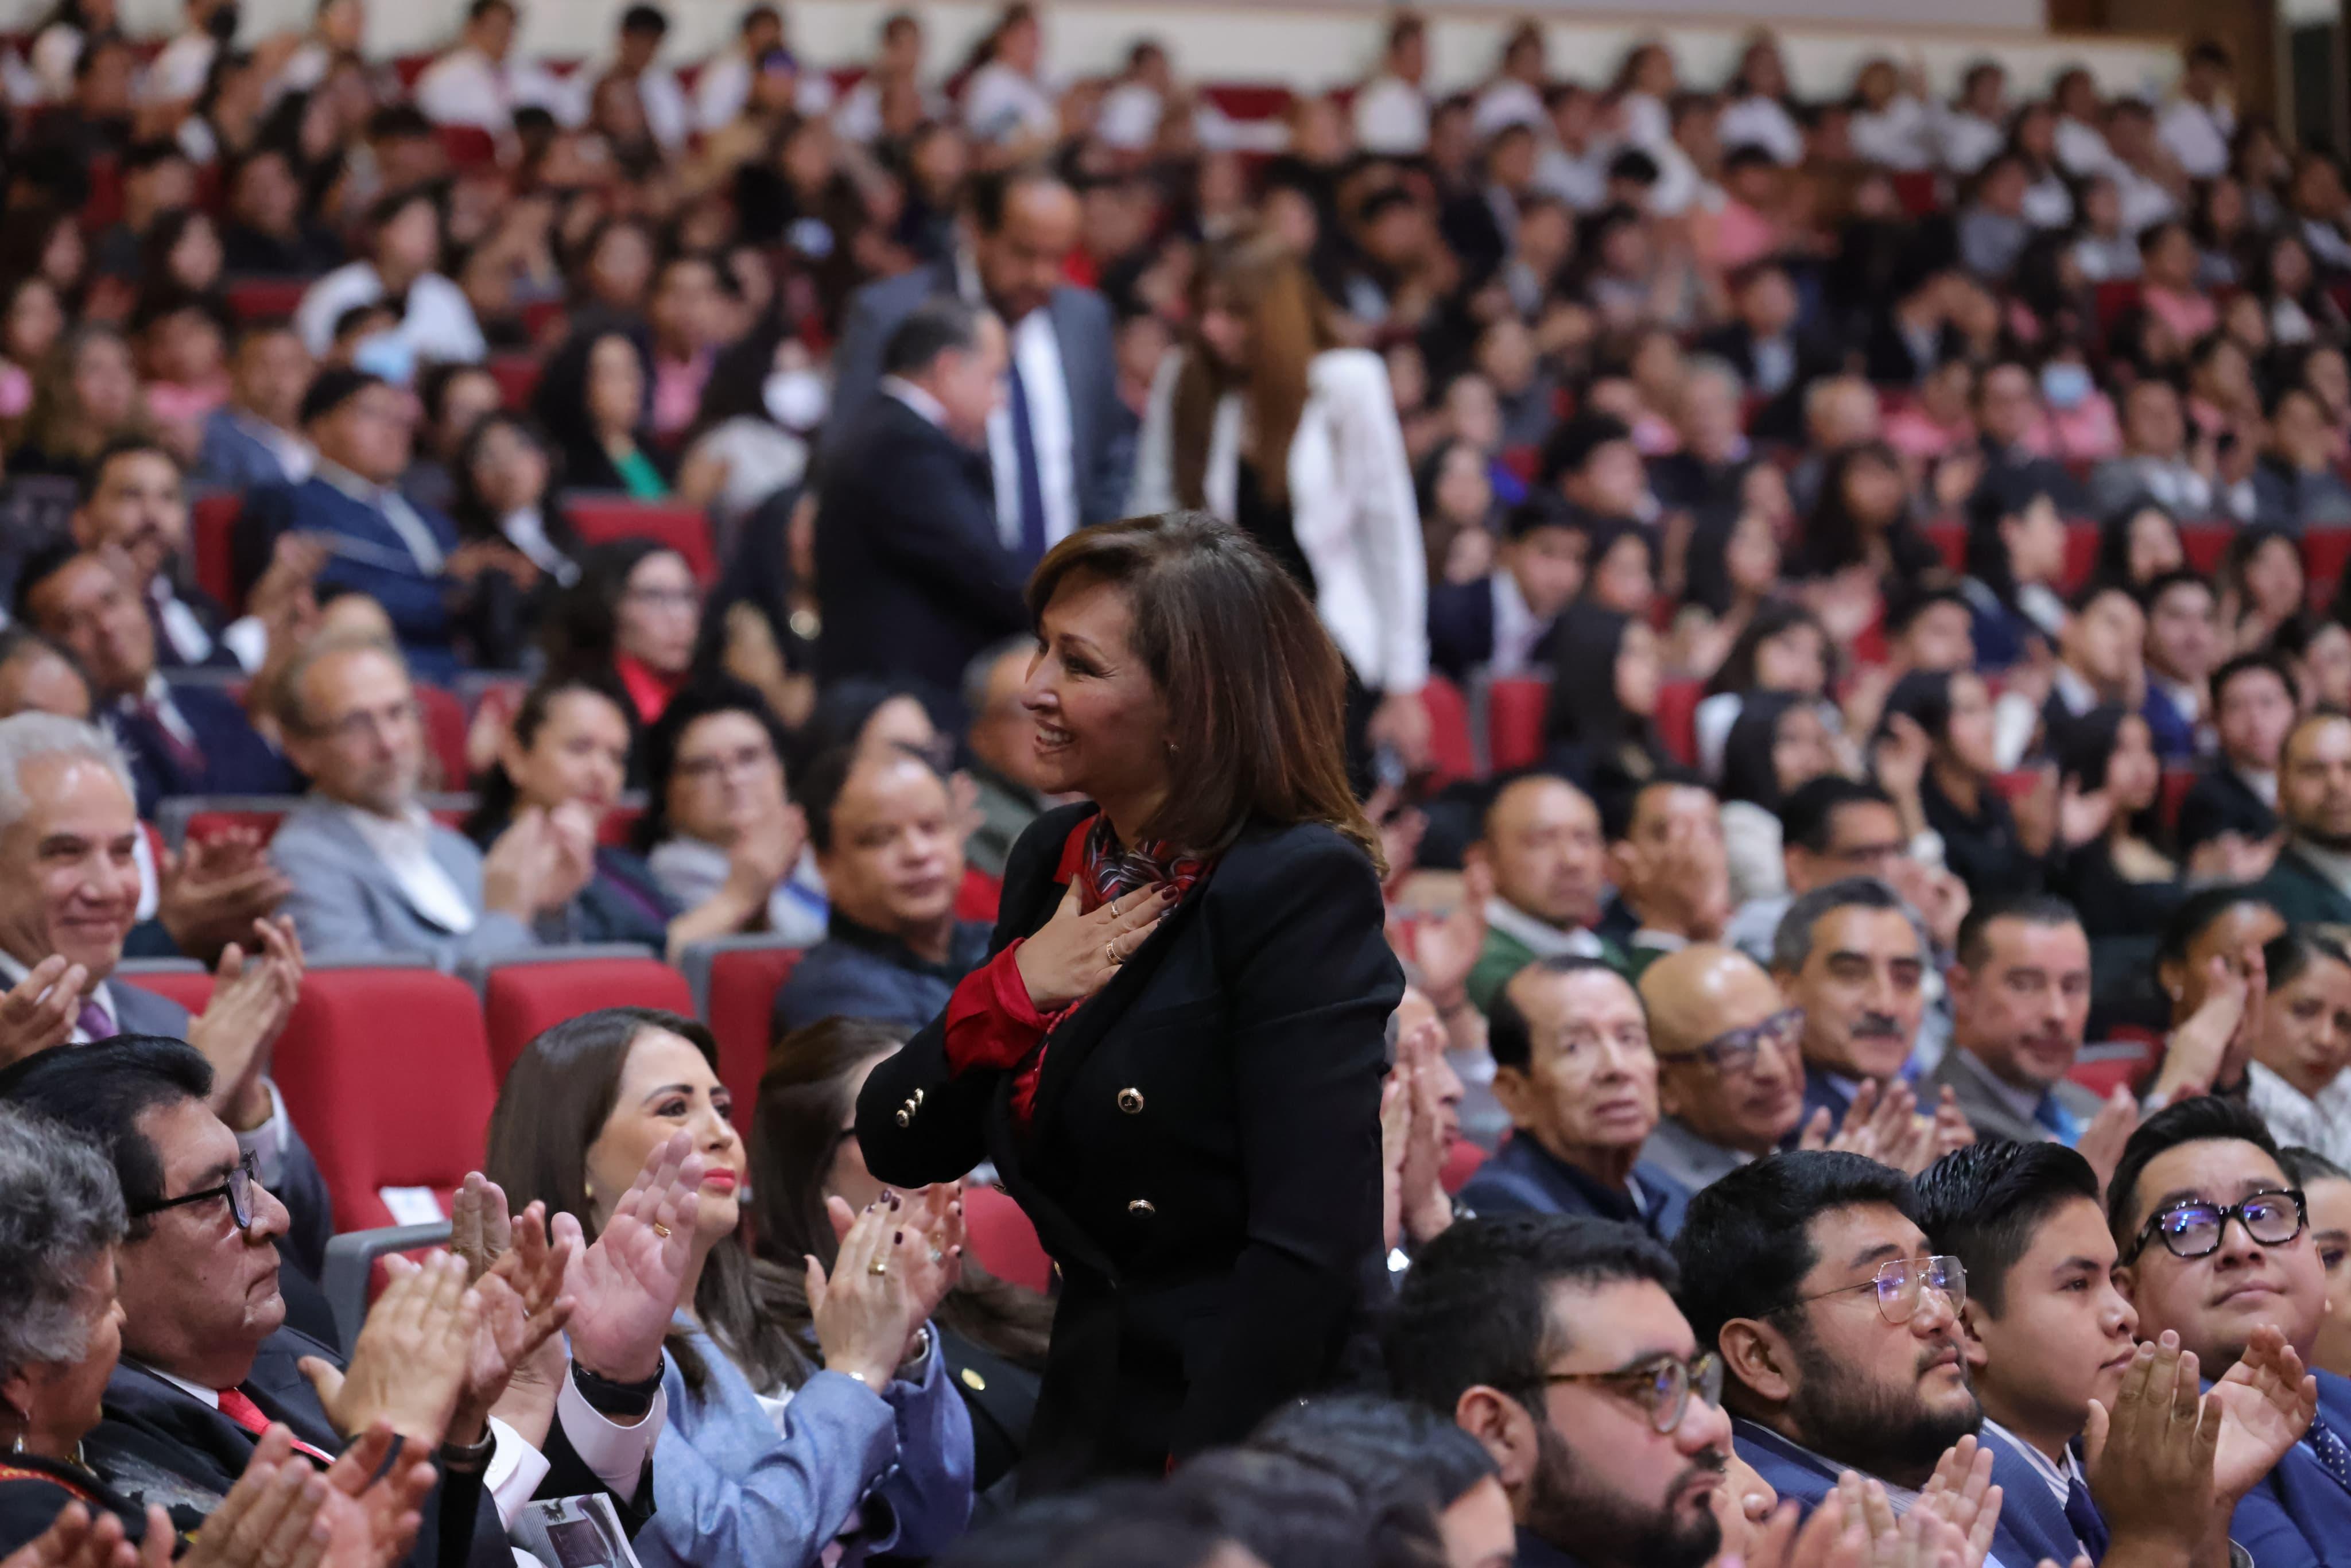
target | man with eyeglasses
[
  {"x": 209, "y": 1361},
  {"x": 1573, "y": 1069},
  {"x": 2214, "y": 1246},
  {"x": 1554, "y": 1341},
  {"x": 374, "y": 875},
  {"x": 2019, "y": 1005},
  {"x": 1731, "y": 1082},
  {"x": 1838, "y": 1327},
  {"x": 1830, "y": 828}
]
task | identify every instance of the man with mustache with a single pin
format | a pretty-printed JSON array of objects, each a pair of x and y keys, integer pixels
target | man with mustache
[
  {"x": 2019, "y": 1003},
  {"x": 1850, "y": 955},
  {"x": 2214, "y": 1245},
  {"x": 1555, "y": 1343},
  {"x": 1838, "y": 1327}
]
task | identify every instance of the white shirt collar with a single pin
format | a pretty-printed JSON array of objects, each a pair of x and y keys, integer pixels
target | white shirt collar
[
  {"x": 2058, "y": 1476},
  {"x": 933, "y": 410},
  {"x": 211, "y": 1397},
  {"x": 1546, "y": 940}
]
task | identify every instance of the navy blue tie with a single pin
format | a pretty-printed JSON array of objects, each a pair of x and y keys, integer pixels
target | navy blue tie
[
  {"x": 1031, "y": 549},
  {"x": 2082, "y": 1513},
  {"x": 2331, "y": 1451}
]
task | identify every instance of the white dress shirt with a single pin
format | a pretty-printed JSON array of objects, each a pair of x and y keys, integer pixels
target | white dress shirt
[
  {"x": 1759, "y": 121},
  {"x": 405, "y": 845},
  {"x": 1507, "y": 101},
  {"x": 1037, "y": 353},
  {"x": 1579, "y": 179},
  {"x": 439, "y": 324},
  {"x": 1969, "y": 141},
  {"x": 463, "y": 88},
  {"x": 179, "y": 70},
  {"x": 2144, "y": 202},
  {"x": 2197, "y": 136},
  {"x": 859, "y": 118},
  {"x": 667, "y": 115},
  {"x": 2320, "y": 1121},
  {"x": 1899, "y": 136},
  {"x": 1392, "y": 118},
  {"x": 1517, "y": 629},
  {"x": 1000, "y": 105},
  {"x": 2082, "y": 148}
]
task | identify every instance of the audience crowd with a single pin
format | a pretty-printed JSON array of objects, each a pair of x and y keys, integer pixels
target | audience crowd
[{"x": 1839, "y": 599}]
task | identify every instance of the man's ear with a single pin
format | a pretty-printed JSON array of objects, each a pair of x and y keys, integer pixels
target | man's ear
[
  {"x": 1758, "y": 1356},
  {"x": 1512, "y": 1091},
  {"x": 1508, "y": 1432},
  {"x": 84, "y": 531},
  {"x": 1959, "y": 984},
  {"x": 2126, "y": 1282},
  {"x": 1624, "y": 865},
  {"x": 1971, "y": 1344}
]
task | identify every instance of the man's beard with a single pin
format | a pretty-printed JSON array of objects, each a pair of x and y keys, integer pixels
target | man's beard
[
  {"x": 1880, "y": 1432},
  {"x": 1601, "y": 1527}
]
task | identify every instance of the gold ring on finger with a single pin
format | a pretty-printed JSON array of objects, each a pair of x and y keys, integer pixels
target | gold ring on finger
[
  {"x": 660, "y": 1231},
  {"x": 1110, "y": 952},
  {"x": 879, "y": 1266}
]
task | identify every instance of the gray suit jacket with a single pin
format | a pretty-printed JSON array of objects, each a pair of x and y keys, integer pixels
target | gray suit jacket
[
  {"x": 299, "y": 1185},
  {"x": 348, "y": 904},
  {"x": 1992, "y": 1117},
  {"x": 1102, "y": 460}
]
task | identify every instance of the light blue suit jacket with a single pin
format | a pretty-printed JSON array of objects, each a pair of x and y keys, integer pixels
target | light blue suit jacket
[
  {"x": 730, "y": 1488},
  {"x": 348, "y": 904}
]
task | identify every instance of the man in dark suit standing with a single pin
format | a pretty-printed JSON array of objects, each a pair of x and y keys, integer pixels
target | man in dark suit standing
[
  {"x": 180, "y": 739},
  {"x": 1054, "y": 446},
  {"x": 914, "y": 569}
]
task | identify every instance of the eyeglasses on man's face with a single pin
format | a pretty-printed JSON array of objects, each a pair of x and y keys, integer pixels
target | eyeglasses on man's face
[
  {"x": 1900, "y": 1284},
  {"x": 1662, "y": 1387},
  {"x": 2193, "y": 1228},
  {"x": 243, "y": 1180},
  {"x": 1732, "y": 1053}
]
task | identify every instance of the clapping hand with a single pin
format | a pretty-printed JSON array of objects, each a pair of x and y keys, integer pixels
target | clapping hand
[
  {"x": 409, "y": 1366},
  {"x": 867, "y": 1309},
  {"x": 931, "y": 1220},
  {"x": 39, "y": 1011},
  {"x": 1961, "y": 1493},
  {"x": 1412, "y": 1134},
  {"x": 2267, "y": 1401},
  {"x": 270, "y": 1516},
  {"x": 252, "y": 998},
  {"x": 624, "y": 1289},
  {"x": 1882, "y": 1124},
  {"x": 210, "y": 894},
  {"x": 2103, "y": 1139},
  {"x": 523, "y": 1307},
  {"x": 1445, "y": 950},
  {"x": 2151, "y": 1455}
]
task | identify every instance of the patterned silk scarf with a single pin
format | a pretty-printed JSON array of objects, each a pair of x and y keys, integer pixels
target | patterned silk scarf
[{"x": 1108, "y": 870}]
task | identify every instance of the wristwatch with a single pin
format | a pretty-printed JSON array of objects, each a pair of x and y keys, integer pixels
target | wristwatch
[{"x": 628, "y": 1401}]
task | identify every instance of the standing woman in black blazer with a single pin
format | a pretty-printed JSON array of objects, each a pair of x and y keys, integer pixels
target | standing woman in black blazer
[{"x": 1174, "y": 1057}]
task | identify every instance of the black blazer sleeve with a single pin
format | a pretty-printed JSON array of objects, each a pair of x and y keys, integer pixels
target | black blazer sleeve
[
  {"x": 1311, "y": 982},
  {"x": 948, "y": 1135}
]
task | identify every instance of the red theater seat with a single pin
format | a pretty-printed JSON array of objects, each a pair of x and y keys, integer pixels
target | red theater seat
[
  {"x": 2177, "y": 782},
  {"x": 978, "y": 895},
  {"x": 516, "y": 375},
  {"x": 735, "y": 981},
  {"x": 212, "y": 525},
  {"x": 1678, "y": 718},
  {"x": 2081, "y": 553},
  {"x": 1514, "y": 723},
  {"x": 1916, "y": 190},
  {"x": 1453, "y": 755},
  {"x": 445, "y": 732},
  {"x": 524, "y": 997},
  {"x": 257, "y": 298},
  {"x": 681, "y": 529},
  {"x": 1461, "y": 1162},
  {"x": 2323, "y": 554},
  {"x": 194, "y": 818},
  {"x": 184, "y": 980},
  {"x": 1003, "y": 1239},
  {"x": 2204, "y": 542},
  {"x": 467, "y": 146},
  {"x": 1951, "y": 539},
  {"x": 387, "y": 1072}
]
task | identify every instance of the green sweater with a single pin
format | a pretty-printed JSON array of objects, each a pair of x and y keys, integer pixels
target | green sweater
[{"x": 1505, "y": 954}]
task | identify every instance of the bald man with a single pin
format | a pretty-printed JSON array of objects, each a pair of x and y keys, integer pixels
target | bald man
[
  {"x": 1730, "y": 1079},
  {"x": 1542, "y": 843}
]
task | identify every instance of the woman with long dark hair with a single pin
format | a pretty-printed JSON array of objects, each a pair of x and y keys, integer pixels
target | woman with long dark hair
[
  {"x": 633, "y": 615},
  {"x": 2138, "y": 544},
  {"x": 1934, "y": 755},
  {"x": 1213, "y": 1201},
  {"x": 595, "y": 401},
  {"x": 1602, "y": 729},
  {"x": 2015, "y": 560},
  {"x": 716, "y": 813},
  {"x": 775, "y": 1432},
  {"x": 2118, "y": 880},
  {"x": 805, "y": 1158},
  {"x": 2304, "y": 1043},
  {"x": 1263, "y": 418},
  {"x": 1863, "y": 520},
  {"x": 1782, "y": 741}
]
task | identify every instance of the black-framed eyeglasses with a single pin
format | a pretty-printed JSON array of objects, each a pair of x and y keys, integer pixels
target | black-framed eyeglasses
[
  {"x": 1732, "y": 1053},
  {"x": 237, "y": 1189},
  {"x": 1899, "y": 1284},
  {"x": 2193, "y": 1228},
  {"x": 1661, "y": 1387}
]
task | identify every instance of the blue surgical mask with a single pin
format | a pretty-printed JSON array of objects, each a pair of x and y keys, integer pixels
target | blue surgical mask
[
  {"x": 386, "y": 354},
  {"x": 2065, "y": 384}
]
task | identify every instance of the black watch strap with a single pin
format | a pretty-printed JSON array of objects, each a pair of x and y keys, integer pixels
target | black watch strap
[{"x": 627, "y": 1401}]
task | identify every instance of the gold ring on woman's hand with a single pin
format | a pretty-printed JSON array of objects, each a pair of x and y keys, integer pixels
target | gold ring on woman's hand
[
  {"x": 1110, "y": 953},
  {"x": 660, "y": 1231},
  {"x": 879, "y": 1266}
]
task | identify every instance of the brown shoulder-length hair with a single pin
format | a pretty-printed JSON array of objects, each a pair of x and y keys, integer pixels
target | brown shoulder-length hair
[
  {"x": 553, "y": 1108},
  {"x": 1255, "y": 689},
  {"x": 801, "y": 1122},
  {"x": 1258, "y": 276}
]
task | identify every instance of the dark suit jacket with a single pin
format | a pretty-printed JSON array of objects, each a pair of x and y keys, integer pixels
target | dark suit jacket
[
  {"x": 2030, "y": 1513},
  {"x": 1460, "y": 627},
  {"x": 1103, "y": 455},
  {"x": 233, "y": 757},
  {"x": 1203, "y": 1156},
  {"x": 365, "y": 554},
  {"x": 913, "y": 578},
  {"x": 1525, "y": 1177},
  {"x": 2302, "y": 893},
  {"x": 2220, "y": 802},
  {"x": 2300, "y": 1516}
]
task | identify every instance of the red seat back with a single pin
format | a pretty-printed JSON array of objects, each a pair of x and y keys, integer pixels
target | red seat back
[
  {"x": 2204, "y": 543},
  {"x": 1514, "y": 723},
  {"x": 1951, "y": 539},
  {"x": 212, "y": 525},
  {"x": 387, "y": 1072},
  {"x": 741, "y": 1010},
  {"x": 1453, "y": 755},
  {"x": 1461, "y": 1162},
  {"x": 978, "y": 897},
  {"x": 2177, "y": 782},
  {"x": 191, "y": 988},
  {"x": 2324, "y": 553},
  {"x": 445, "y": 732},
  {"x": 681, "y": 529},
  {"x": 467, "y": 146},
  {"x": 1916, "y": 190},
  {"x": 516, "y": 375},
  {"x": 2081, "y": 553},
  {"x": 1677, "y": 718},
  {"x": 212, "y": 824},
  {"x": 1004, "y": 1240},
  {"x": 521, "y": 1002},
  {"x": 258, "y": 298}
]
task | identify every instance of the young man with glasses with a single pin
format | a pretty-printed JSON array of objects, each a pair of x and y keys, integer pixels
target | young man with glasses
[
  {"x": 1731, "y": 1079},
  {"x": 1554, "y": 1341},
  {"x": 2020, "y": 1004},
  {"x": 2214, "y": 1245}
]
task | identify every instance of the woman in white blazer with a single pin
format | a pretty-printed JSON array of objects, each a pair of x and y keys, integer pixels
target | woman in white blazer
[{"x": 1260, "y": 417}]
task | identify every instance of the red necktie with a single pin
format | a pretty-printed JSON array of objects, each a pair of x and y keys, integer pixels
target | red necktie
[{"x": 248, "y": 1414}]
